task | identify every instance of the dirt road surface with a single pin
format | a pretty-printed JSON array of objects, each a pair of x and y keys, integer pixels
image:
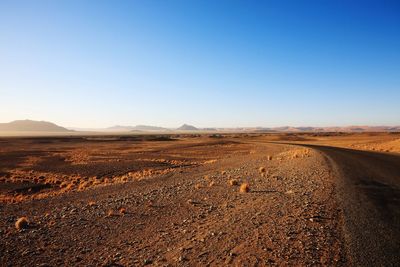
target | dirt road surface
[{"x": 369, "y": 191}]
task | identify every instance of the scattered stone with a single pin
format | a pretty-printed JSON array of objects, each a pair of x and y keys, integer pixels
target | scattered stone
[
  {"x": 22, "y": 223},
  {"x": 147, "y": 261}
]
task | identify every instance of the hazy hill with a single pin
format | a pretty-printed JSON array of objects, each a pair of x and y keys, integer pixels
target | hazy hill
[
  {"x": 349, "y": 129},
  {"x": 149, "y": 128},
  {"x": 187, "y": 127},
  {"x": 144, "y": 128},
  {"x": 119, "y": 128},
  {"x": 31, "y": 126}
]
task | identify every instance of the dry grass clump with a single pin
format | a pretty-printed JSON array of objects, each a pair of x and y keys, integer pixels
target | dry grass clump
[
  {"x": 69, "y": 187},
  {"x": 64, "y": 184},
  {"x": 22, "y": 223},
  {"x": 244, "y": 188},
  {"x": 110, "y": 213},
  {"x": 233, "y": 182},
  {"x": 84, "y": 185}
]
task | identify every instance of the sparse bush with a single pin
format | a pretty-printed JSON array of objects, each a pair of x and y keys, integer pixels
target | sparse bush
[
  {"x": 22, "y": 223},
  {"x": 223, "y": 172},
  {"x": 122, "y": 210},
  {"x": 262, "y": 169},
  {"x": 110, "y": 213},
  {"x": 84, "y": 185},
  {"x": 269, "y": 157},
  {"x": 244, "y": 188},
  {"x": 211, "y": 184},
  {"x": 64, "y": 184},
  {"x": 197, "y": 186},
  {"x": 69, "y": 186}
]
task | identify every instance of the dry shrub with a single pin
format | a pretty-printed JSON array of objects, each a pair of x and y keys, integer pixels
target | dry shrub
[
  {"x": 269, "y": 157},
  {"x": 223, "y": 172},
  {"x": 122, "y": 210},
  {"x": 22, "y": 223},
  {"x": 64, "y": 184},
  {"x": 211, "y": 184},
  {"x": 244, "y": 188},
  {"x": 92, "y": 203},
  {"x": 206, "y": 177},
  {"x": 262, "y": 169},
  {"x": 69, "y": 187},
  {"x": 96, "y": 183},
  {"x": 110, "y": 213},
  {"x": 197, "y": 186},
  {"x": 84, "y": 185},
  {"x": 233, "y": 182}
]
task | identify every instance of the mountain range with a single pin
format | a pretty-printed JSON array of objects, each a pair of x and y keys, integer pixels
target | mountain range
[
  {"x": 43, "y": 126},
  {"x": 31, "y": 126}
]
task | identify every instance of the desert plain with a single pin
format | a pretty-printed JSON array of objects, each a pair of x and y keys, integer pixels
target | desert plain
[{"x": 254, "y": 199}]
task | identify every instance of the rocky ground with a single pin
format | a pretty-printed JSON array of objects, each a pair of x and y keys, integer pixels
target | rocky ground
[{"x": 194, "y": 215}]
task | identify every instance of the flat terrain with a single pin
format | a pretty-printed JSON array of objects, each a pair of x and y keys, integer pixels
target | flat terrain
[{"x": 313, "y": 199}]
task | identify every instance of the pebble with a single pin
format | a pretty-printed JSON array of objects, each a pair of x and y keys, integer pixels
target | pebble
[{"x": 147, "y": 261}]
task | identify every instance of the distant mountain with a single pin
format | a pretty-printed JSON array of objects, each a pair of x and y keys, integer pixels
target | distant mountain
[
  {"x": 141, "y": 128},
  {"x": 119, "y": 128},
  {"x": 351, "y": 129},
  {"x": 149, "y": 128},
  {"x": 31, "y": 126},
  {"x": 187, "y": 127},
  {"x": 43, "y": 126},
  {"x": 287, "y": 129}
]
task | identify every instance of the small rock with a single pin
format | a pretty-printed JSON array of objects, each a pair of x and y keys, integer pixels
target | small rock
[{"x": 147, "y": 261}]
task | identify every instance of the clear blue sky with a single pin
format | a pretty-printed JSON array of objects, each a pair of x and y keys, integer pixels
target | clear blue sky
[{"x": 208, "y": 63}]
